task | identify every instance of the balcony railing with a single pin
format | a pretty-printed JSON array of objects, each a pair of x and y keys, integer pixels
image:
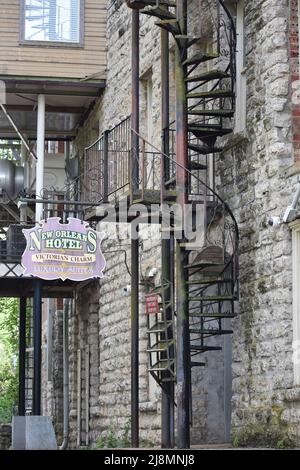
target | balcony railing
[{"x": 106, "y": 164}]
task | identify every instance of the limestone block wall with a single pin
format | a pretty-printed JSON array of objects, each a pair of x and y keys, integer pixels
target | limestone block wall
[{"x": 258, "y": 178}]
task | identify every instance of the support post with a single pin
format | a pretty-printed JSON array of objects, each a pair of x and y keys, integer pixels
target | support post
[
  {"x": 22, "y": 355},
  {"x": 40, "y": 156},
  {"x": 37, "y": 340},
  {"x": 183, "y": 347},
  {"x": 167, "y": 256},
  {"x": 105, "y": 166},
  {"x": 134, "y": 238}
]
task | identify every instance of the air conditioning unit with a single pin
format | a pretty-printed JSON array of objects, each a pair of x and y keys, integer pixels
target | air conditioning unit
[{"x": 16, "y": 241}]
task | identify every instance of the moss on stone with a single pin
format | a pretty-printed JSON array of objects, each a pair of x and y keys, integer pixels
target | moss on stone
[{"x": 269, "y": 430}]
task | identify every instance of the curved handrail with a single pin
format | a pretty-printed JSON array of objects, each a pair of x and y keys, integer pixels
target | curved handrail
[
  {"x": 232, "y": 51},
  {"x": 190, "y": 173},
  {"x": 235, "y": 243}
]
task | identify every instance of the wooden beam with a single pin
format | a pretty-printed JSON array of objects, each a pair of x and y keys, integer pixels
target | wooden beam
[
  {"x": 51, "y": 91},
  {"x": 49, "y": 108}
]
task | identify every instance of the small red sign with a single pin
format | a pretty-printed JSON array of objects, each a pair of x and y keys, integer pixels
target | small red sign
[{"x": 152, "y": 305}]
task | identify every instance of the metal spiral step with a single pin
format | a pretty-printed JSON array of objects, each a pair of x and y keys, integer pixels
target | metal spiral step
[{"x": 210, "y": 270}]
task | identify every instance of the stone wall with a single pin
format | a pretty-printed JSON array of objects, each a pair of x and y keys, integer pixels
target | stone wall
[
  {"x": 5, "y": 436},
  {"x": 258, "y": 181}
]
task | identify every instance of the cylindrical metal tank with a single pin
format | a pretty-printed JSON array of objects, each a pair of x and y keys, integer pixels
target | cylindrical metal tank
[{"x": 11, "y": 179}]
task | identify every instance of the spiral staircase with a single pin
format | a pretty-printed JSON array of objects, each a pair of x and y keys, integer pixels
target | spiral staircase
[{"x": 211, "y": 266}]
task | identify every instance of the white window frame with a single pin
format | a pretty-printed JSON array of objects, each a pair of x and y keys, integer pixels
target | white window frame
[
  {"x": 295, "y": 227},
  {"x": 241, "y": 91},
  {"x": 29, "y": 42}
]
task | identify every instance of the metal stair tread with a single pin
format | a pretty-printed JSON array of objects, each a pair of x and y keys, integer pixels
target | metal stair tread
[
  {"x": 210, "y": 298},
  {"x": 164, "y": 365},
  {"x": 210, "y": 331},
  {"x": 162, "y": 345},
  {"x": 212, "y": 280},
  {"x": 203, "y": 149},
  {"x": 212, "y": 112},
  {"x": 186, "y": 39},
  {"x": 203, "y": 262},
  {"x": 212, "y": 314},
  {"x": 196, "y": 347},
  {"x": 159, "y": 327},
  {"x": 145, "y": 3},
  {"x": 172, "y": 26},
  {"x": 210, "y": 94},
  {"x": 210, "y": 75},
  {"x": 202, "y": 132},
  {"x": 159, "y": 13},
  {"x": 192, "y": 165},
  {"x": 198, "y": 58}
]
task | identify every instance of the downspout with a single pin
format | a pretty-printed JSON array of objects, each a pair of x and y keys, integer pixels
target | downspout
[{"x": 65, "y": 375}]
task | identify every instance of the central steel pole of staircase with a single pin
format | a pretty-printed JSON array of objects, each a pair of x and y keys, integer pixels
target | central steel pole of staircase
[
  {"x": 37, "y": 351},
  {"x": 22, "y": 355},
  {"x": 183, "y": 344},
  {"x": 134, "y": 240},
  {"x": 167, "y": 246}
]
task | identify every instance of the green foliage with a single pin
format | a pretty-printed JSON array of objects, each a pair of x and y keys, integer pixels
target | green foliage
[
  {"x": 9, "y": 318},
  {"x": 112, "y": 441}
]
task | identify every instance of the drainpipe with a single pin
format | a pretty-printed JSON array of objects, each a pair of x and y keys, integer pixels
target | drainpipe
[
  {"x": 183, "y": 347},
  {"x": 40, "y": 156},
  {"x": 134, "y": 240},
  {"x": 65, "y": 374},
  {"x": 167, "y": 246}
]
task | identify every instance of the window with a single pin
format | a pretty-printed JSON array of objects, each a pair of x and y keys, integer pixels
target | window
[
  {"x": 52, "y": 21},
  {"x": 295, "y": 226}
]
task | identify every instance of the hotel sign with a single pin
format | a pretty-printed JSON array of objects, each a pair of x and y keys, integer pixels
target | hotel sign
[{"x": 63, "y": 251}]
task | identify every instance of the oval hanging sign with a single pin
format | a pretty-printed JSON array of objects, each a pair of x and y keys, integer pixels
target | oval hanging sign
[{"x": 63, "y": 251}]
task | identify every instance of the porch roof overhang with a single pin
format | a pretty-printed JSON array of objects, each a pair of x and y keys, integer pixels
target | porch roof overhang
[
  {"x": 68, "y": 102},
  {"x": 24, "y": 287}
]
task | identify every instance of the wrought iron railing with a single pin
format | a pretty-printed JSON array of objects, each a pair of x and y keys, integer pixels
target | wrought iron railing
[
  {"x": 220, "y": 228},
  {"x": 106, "y": 164},
  {"x": 12, "y": 241}
]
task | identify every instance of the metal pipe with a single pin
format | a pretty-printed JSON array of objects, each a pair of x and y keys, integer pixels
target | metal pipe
[
  {"x": 134, "y": 241},
  {"x": 22, "y": 356},
  {"x": 37, "y": 341},
  {"x": 87, "y": 394},
  {"x": 167, "y": 402},
  {"x": 183, "y": 347},
  {"x": 39, "y": 185},
  {"x": 78, "y": 397},
  {"x": 66, "y": 312}
]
